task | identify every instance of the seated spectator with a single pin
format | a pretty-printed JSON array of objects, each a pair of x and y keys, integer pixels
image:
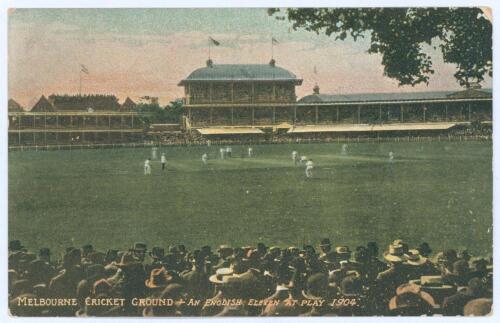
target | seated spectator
[
  {"x": 454, "y": 305},
  {"x": 410, "y": 300}
]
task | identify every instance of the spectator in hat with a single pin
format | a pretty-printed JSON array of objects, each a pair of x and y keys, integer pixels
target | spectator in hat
[
  {"x": 156, "y": 254},
  {"x": 196, "y": 282},
  {"x": 424, "y": 249},
  {"x": 318, "y": 289},
  {"x": 130, "y": 282},
  {"x": 410, "y": 300},
  {"x": 478, "y": 307},
  {"x": 16, "y": 246},
  {"x": 335, "y": 277},
  {"x": 459, "y": 275},
  {"x": 454, "y": 305},
  {"x": 388, "y": 280},
  {"x": 172, "y": 291},
  {"x": 65, "y": 283},
  {"x": 225, "y": 252},
  {"x": 44, "y": 255},
  {"x": 139, "y": 251},
  {"x": 374, "y": 265},
  {"x": 351, "y": 287},
  {"x": 326, "y": 254},
  {"x": 157, "y": 281},
  {"x": 480, "y": 269},
  {"x": 419, "y": 266}
]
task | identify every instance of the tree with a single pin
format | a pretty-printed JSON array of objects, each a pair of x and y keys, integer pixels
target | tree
[
  {"x": 154, "y": 113},
  {"x": 464, "y": 36}
]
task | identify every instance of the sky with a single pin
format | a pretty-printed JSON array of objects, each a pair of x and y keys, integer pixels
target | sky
[{"x": 146, "y": 52}]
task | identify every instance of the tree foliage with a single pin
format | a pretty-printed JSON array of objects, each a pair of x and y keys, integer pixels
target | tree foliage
[
  {"x": 464, "y": 36},
  {"x": 154, "y": 113}
]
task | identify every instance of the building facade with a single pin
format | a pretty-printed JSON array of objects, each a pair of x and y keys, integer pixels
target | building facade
[{"x": 239, "y": 95}]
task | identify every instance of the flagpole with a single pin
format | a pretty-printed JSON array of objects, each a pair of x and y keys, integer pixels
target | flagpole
[
  {"x": 80, "y": 92},
  {"x": 209, "y": 47},
  {"x": 272, "y": 48}
]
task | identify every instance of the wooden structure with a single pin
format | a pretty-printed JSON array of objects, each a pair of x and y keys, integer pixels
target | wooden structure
[{"x": 239, "y": 94}]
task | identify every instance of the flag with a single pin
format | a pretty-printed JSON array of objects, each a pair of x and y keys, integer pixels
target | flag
[
  {"x": 216, "y": 43},
  {"x": 274, "y": 41},
  {"x": 84, "y": 69}
]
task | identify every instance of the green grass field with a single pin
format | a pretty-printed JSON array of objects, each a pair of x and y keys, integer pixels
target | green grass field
[{"x": 440, "y": 192}]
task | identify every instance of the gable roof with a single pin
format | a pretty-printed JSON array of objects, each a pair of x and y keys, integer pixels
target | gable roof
[
  {"x": 398, "y": 96},
  {"x": 128, "y": 105},
  {"x": 13, "y": 106},
  {"x": 98, "y": 102},
  {"x": 241, "y": 72},
  {"x": 43, "y": 105}
]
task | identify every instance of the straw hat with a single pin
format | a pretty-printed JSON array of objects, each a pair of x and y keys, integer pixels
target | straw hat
[
  {"x": 414, "y": 258},
  {"x": 394, "y": 254}
]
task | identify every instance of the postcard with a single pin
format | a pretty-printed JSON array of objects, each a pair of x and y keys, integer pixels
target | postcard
[{"x": 205, "y": 162}]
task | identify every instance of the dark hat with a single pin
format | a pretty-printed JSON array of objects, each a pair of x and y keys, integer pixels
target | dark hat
[
  {"x": 450, "y": 255},
  {"x": 140, "y": 246},
  {"x": 157, "y": 278},
  {"x": 88, "y": 248},
  {"x": 101, "y": 286},
  {"x": 325, "y": 242},
  {"x": 15, "y": 245},
  {"x": 73, "y": 256},
  {"x": 424, "y": 249},
  {"x": 351, "y": 286},
  {"x": 414, "y": 258},
  {"x": 316, "y": 286},
  {"x": 44, "y": 252},
  {"x": 475, "y": 288},
  {"x": 96, "y": 257},
  {"x": 157, "y": 253},
  {"x": 224, "y": 247},
  {"x": 127, "y": 260}
]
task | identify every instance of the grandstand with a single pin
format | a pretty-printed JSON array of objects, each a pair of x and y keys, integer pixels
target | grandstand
[
  {"x": 214, "y": 104},
  {"x": 64, "y": 119},
  {"x": 249, "y": 101}
]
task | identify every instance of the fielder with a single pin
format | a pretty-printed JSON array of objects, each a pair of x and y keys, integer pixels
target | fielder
[
  {"x": 303, "y": 159},
  {"x": 295, "y": 155},
  {"x": 222, "y": 153},
  {"x": 147, "y": 167},
  {"x": 229, "y": 152},
  {"x": 391, "y": 157},
  {"x": 154, "y": 151},
  {"x": 204, "y": 158},
  {"x": 250, "y": 152},
  {"x": 344, "y": 150},
  {"x": 163, "y": 161},
  {"x": 309, "y": 168}
]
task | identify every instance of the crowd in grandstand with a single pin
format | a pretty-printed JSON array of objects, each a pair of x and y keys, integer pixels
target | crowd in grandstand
[{"x": 249, "y": 281}]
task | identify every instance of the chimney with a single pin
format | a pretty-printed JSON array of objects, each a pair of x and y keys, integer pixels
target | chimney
[
  {"x": 210, "y": 63},
  {"x": 316, "y": 89}
]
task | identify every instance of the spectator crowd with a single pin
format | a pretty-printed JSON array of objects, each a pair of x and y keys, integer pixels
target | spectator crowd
[{"x": 258, "y": 280}]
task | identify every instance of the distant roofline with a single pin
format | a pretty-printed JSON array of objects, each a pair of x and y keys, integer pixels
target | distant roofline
[{"x": 190, "y": 79}]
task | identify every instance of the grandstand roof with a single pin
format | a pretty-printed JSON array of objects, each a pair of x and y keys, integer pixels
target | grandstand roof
[
  {"x": 43, "y": 105},
  {"x": 241, "y": 72},
  {"x": 367, "y": 127},
  {"x": 97, "y": 102},
  {"x": 13, "y": 106},
  {"x": 128, "y": 105},
  {"x": 399, "y": 96},
  {"x": 229, "y": 131}
]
